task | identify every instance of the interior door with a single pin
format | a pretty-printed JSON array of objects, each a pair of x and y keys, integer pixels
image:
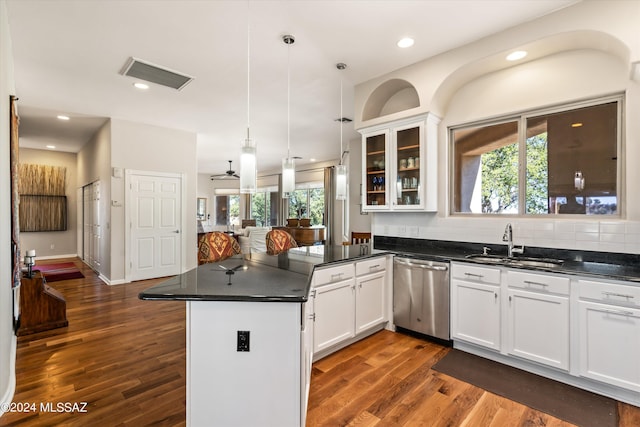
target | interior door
[{"x": 155, "y": 226}]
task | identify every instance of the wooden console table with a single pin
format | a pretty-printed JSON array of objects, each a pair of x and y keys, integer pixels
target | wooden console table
[
  {"x": 305, "y": 236},
  {"x": 41, "y": 307}
]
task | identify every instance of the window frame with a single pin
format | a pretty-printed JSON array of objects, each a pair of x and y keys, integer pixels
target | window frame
[{"x": 521, "y": 119}]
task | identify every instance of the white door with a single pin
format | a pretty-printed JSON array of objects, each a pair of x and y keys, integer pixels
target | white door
[{"x": 155, "y": 226}]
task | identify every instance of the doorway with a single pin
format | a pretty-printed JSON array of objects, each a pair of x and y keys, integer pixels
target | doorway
[{"x": 153, "y": 231}]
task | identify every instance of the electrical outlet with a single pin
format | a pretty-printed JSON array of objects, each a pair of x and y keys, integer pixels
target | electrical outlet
[
  {"x": 53, "y": 246},
  {"x": 243, "y": 341}
]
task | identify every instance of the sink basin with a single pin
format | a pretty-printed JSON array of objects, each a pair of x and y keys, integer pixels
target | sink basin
[{"x": 517, "y": 261}]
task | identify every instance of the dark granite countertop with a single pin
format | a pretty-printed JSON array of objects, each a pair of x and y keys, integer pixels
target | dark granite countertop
[
  {"x": 616, "y": 266},
  {"x": 258, "y": 277}
]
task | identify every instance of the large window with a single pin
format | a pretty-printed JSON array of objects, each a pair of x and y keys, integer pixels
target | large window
[
  {"x": 563, "y": 161},
  {"x": 264, "y": 207},
  {"x": 308, "y": 202},
  {"x": 228, "y": 210}
]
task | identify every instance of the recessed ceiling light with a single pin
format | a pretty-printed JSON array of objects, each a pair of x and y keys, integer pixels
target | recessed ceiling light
[
  {"x": 51, "y": 147},
  {"x": 312, "y": 159},
  {"x": 141, "y": 86},
  {"x": 63, "y": 117},
  {"x": 406, "y": 42},
  {"x": 518, "y": 54}
]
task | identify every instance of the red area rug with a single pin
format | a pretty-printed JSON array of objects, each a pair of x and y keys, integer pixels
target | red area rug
[{"x": 61, "y": 271}]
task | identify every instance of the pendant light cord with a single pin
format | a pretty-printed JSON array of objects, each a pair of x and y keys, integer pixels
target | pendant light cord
[
  {"x": 288, "y": 99},
  {"x": 341, "y": 66},
  {"x": 248, "y": 67},
  {"x": 341, "y": 121}
]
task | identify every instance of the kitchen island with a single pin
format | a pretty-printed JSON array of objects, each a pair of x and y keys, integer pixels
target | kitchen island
[{"x": 249, "y": 335}]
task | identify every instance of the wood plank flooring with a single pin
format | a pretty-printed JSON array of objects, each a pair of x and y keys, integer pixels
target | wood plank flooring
[{"x": 126, "y": 359}]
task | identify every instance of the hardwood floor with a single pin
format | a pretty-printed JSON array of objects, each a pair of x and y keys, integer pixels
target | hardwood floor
[{"x": 126, "y": 359}]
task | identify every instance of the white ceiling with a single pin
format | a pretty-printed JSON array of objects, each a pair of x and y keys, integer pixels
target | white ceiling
[{"x": 68, "y": 56}]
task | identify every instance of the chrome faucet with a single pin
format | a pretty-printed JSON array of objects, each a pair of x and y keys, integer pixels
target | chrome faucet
[{"x": 508, "y": 237}]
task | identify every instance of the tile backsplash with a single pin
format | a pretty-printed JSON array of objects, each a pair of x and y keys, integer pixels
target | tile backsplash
[{"x": 605, "y": 235}]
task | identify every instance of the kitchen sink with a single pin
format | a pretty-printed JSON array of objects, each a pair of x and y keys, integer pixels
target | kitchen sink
[{"x": 517, "y": 261}]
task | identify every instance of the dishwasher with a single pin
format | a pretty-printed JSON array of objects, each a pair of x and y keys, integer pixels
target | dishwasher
[{"x": 421, "y": 296}]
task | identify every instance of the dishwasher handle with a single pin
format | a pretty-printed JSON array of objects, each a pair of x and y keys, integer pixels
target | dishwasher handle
[{"x": 423, "y": 266}]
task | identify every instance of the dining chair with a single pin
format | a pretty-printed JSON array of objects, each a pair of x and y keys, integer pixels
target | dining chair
[{"x": 360, "y": 237}]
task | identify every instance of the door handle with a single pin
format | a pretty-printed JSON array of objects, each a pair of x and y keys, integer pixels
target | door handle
[{"x": 177, "y": 231}]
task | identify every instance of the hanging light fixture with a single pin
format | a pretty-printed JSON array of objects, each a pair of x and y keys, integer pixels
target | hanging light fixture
[
  {"x": 248, "y": 158},
  {"x": 288, "y": 164},
  {"x": 341, "y": 169}
]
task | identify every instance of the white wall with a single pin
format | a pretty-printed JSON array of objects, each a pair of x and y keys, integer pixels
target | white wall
[
  {"x": 64, "y": 242},
  {"x": 566, "y": 76},
  {"x": 136, "y": 146},
  {"x": 94, "y": 164},
  {"x": 7, "y": 337}
]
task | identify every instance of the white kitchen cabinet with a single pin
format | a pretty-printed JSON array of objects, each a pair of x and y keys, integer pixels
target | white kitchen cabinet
[
  {"x": 399, "y": 165},
  {"x": 370, "y": 292},
  {"x": 609, "y": 333},
  {"x": 350, "y": 300},
  {"x": 334, "y": 306},
  {"x": 475, "y": 305},
  {"x": 538, "y": 318}
]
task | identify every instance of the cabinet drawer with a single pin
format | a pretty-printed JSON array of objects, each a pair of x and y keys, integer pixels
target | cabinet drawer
[
  {"x": 610, "y": 293},
  {"x": 371, "y": 266},
  {"x": 538, "y": 282},
  {"x": 333, "y": 274},
  {"x": 476, "y": 273}
]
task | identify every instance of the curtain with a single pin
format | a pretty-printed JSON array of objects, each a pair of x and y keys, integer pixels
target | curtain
[{"x": 329, "y": 203}]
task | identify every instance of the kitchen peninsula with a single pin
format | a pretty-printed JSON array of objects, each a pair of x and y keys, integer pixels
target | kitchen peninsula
[{"x": 249, "y": 332}]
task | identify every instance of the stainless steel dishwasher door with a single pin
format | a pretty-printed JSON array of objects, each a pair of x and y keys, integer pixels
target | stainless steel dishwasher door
[{"x": 421, "y": 296}]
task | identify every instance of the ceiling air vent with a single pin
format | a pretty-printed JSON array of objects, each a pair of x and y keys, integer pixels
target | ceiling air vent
[{"x": 155, "y": 74}]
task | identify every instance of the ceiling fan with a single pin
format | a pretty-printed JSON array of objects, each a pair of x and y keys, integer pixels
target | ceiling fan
[{"x": 230, "y": 174}]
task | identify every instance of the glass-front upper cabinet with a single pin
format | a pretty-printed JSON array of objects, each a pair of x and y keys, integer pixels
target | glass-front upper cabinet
[
  {"x": 400, "y": 165},
  {"x": 407, "y": 155},
  {"x": 376, "y": 162}
]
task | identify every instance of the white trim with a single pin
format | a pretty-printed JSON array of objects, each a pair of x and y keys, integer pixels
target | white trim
[
  {"x": 55, "y": 257},
  {"x": 11, "y": 386}
]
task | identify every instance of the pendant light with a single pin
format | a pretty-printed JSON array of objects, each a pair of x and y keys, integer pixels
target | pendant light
[
  {"x": 288, "y": 164},
  {"x": 341, "y": 169},
  {"x": 248, "y": 158}
]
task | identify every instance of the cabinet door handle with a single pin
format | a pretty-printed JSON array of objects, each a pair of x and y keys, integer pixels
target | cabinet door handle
[
  {"x": 495, "y": 296},
  {"x": 613, "y": 294},
  {"x": 479, "y": 276},
  {"x": 336, "y": 276},
  {"x": 373, "y": 267},
  {"x": 619, "y": 312},
  {"x": 529, "y": 282}
]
